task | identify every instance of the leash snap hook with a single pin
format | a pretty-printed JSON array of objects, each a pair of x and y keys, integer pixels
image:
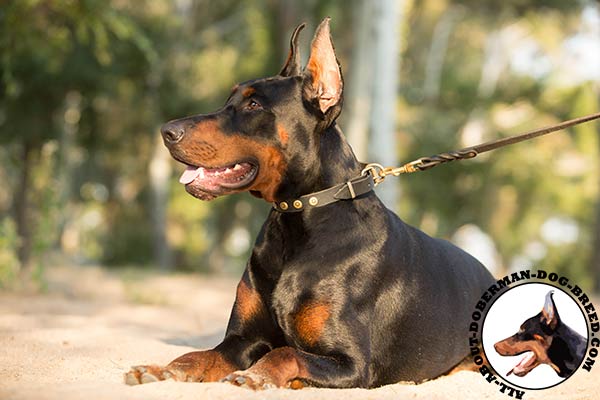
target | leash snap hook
[
  {"x": 409, "y": 168},
  {"x": 376, "y": 170}
]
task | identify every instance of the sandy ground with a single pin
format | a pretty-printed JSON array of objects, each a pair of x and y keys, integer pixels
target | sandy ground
[{"x": 78, "y": 339}]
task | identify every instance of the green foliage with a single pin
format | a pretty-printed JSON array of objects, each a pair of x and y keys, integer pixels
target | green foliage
[
  {"x": 86, "y": 84},
  {"x": 50, "y": 48},
  {"x": 512, "y": 192}
]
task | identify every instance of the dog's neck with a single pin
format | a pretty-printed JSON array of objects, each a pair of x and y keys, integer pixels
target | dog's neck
[
  {"x": 567, "y": 349},
  {"x": 334, "y": 162},
  {"x": 338, "y": 162}
]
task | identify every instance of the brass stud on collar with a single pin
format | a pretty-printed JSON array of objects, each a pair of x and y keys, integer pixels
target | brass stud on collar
[
  {"x": 283, "y": 205},
  {"x": 297, "y": 204},
  {"x": 313, "y": 201}
]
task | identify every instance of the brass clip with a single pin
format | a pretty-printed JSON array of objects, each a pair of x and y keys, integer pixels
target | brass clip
[
  {"x": 379, "y": 172},
  {"x": 407, "y": 168}
]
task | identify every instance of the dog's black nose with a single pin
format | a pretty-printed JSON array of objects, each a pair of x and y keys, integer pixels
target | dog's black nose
[{"x": 172, "y": 133}]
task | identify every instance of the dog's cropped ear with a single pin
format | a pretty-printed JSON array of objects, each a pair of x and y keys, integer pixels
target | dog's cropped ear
[
  {"x": 549, "y": 314},
  {"x": 292, "y": 65},
  {"x": 323, "y": 77}
]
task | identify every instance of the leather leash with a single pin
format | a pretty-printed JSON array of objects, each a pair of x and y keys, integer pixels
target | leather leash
[
  {"x": 421, "y": 164},
  {"x": 373, "y": 174}
]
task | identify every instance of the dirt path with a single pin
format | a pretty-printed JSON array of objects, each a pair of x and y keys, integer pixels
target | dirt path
[{"x": 79, "y": 339}]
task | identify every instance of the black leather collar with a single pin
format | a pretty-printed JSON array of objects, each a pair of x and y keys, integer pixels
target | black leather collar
[{"x": 344, "y": 191}]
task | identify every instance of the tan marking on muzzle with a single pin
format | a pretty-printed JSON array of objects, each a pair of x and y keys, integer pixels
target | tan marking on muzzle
[{"x": 206, "y": 145}]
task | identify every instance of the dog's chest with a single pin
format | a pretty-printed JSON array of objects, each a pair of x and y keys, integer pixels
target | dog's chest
[{"x": 303, "y": 305}]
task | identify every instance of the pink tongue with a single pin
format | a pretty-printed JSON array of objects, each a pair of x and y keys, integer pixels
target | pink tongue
[
  {"x": 190, "y": 174},
  {"x": 520, "y": 367}
]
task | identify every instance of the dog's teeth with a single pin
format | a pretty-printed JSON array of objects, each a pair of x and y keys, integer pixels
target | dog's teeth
[
  {"x": 228, "y": 171},
  {"x": 237, "y": 167}
]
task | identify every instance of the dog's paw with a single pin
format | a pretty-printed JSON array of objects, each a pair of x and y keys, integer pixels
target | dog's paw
[
  {"x": 249, "y": 380},
  {"x": 147, "y": 374}
]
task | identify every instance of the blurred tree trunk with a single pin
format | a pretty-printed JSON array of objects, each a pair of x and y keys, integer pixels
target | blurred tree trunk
[
  {"x": 387, "y": 21},
  {"x": 160, "y": 174},
  {"x": 287, "y": 18},
  {"x": 21, "y": 206},
  {"x": 437, "y": 51},
  {"x": 496, "y": 58},
  {"x": 372, "y": 87},
  {"x": 65, "y": 170},
  {"x": 357, "y": 98},
  {"x": 159, "y": 171}
]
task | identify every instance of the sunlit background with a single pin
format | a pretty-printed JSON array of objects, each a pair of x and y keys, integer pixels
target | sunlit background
[{"x": 85, "y": 86}]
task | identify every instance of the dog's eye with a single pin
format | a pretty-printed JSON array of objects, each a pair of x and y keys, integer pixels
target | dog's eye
[{"x": 252, "y": 105}]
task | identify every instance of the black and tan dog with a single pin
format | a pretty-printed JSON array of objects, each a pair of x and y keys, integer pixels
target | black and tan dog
[
  {"x": 338, "y": 292},
  {"x": 544, "y": 339}
]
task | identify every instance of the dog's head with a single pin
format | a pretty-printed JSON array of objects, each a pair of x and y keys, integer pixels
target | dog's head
[
  {"x": 265, "y": 125},
  {"x": 533, "y": 340}
]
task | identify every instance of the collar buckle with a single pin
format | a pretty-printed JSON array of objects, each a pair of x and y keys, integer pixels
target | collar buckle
[{"x": 351, "y": 189}]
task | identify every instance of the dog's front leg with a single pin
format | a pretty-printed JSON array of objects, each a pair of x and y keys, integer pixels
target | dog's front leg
[
  {"x": 250, "y": 334},
  {"x": 289, "y": 367},
  {"x": 324, "y": 349}
]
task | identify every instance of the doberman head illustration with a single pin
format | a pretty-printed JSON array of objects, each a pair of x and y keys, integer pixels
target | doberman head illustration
[{"x": 544, "y": 339}]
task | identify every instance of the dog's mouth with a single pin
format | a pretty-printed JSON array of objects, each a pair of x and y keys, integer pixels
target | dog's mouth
[
  {"x": 525, "y": 364},
  {"x": 207, "y": 183}
]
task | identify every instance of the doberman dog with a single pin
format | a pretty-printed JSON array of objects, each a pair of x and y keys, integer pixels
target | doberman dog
[
  {"x": 544, "y": 339},
  {"x": 338, "y": 291}
]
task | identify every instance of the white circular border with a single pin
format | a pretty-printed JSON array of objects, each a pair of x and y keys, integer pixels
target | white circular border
[{"x": 506, "y": 315}]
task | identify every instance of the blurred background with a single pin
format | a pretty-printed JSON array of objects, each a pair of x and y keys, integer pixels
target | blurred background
[{"x": 86, "y": 84}]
